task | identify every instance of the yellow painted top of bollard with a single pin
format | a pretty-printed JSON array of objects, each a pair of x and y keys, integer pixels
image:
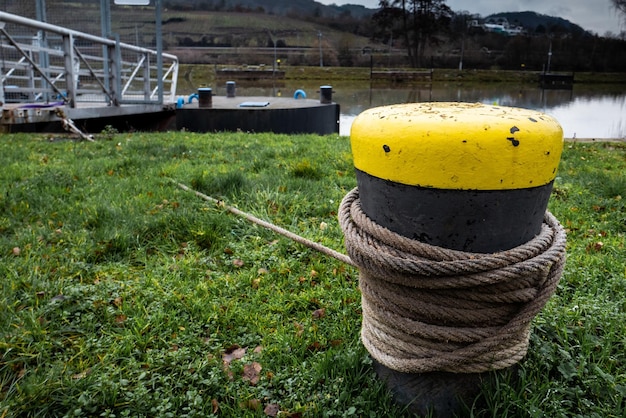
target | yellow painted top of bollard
[{"x": 459, "y": 146}]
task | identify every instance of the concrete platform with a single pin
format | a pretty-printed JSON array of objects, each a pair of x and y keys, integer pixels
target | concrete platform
[{"x": 260, "y": 114}]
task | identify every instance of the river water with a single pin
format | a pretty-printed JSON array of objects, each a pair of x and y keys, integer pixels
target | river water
[{"x": 585, "y": 112}]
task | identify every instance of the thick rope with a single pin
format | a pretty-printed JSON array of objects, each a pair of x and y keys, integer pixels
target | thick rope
[
  {"x": 427, "y": 308},
  {"x": 294, "y": 237}
]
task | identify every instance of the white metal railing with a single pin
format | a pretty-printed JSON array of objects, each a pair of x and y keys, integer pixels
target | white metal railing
[{"x": 45, "y": 63}]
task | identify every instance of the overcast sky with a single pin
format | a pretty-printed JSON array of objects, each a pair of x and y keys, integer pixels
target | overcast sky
[{"x": 593, "y": 15}]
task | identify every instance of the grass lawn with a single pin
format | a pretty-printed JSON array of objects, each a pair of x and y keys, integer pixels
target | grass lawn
[{"x": 123, "y": 295}]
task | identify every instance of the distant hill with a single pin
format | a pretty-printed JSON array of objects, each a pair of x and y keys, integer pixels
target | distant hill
[
  {"x": 538, "y": 23},
  {"x": 276, "y": 7},
  {"x": 532, "y": 21}
]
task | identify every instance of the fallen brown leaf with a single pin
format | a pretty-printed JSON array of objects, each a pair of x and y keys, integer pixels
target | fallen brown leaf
[
  {"x": 319, "y": 313},
  {"x": 316, "y": 346},
  {"x": 234, "y": 352},
  {"x": 336, "y": 343},
  {"x": 251, "y": 372},
  {"x": 272, "y": 410}
]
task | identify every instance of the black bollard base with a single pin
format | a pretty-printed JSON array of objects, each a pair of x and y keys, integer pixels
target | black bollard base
[
  {"x": 437, "y": 394},
  {"x": 482, "y": 221}
]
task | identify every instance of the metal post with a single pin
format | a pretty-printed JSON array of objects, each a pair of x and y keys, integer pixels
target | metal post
[
  {"x": 1, "y": 78},
  {"x": 146, "y": 77},
  {"x": 319, "y": 34},
  {"x": 274, "y": 44},
  {"x": 462, "y": 53},
  {"x": 70, "y": 69},
  {"x": 115, "y": 59},
  {"x": 549, "y": 56},
  {"x": 44, "y": 60},
  {"x": 159, "y": 45},
  {"x": 105, "y": 25}
]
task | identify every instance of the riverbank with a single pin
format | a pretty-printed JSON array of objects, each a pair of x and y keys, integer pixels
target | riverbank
[{"x": 207, "y": 74}]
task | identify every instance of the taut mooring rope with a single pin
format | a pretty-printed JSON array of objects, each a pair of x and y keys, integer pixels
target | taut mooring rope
[
  {"x": 294, "y": 237},
  {"x": 427, "y": 308}
]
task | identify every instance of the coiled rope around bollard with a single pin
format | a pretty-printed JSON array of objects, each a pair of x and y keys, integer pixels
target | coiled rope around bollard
[{"x": 427, "y": 308}]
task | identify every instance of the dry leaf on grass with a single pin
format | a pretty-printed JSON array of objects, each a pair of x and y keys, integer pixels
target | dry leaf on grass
[
  {"x": 252, "y": 372},
  {"x": 234, "y": 352},
  {"x": 272, "y": 410},
  {"x": 319, "y": 313}
]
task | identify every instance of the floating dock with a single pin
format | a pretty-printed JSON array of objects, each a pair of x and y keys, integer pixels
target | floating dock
[
  {"x": 260, "y": 114},
  {"x": 248, "y": 114}
]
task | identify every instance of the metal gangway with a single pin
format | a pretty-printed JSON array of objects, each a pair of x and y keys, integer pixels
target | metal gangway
[{"x": 44, "y": 65}]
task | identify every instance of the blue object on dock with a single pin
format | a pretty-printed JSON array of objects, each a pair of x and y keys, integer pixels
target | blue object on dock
[
  {"x": 299, "y": 94},
  {"x": 193, "y": 96},
  {"x": 180, "y": 102}
]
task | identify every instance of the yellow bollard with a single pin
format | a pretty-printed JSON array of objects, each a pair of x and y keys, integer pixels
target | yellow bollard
[{"x": 463, "y": 177}]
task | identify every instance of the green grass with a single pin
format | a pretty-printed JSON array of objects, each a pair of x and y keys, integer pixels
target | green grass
[{"x": 123, "y": 295}]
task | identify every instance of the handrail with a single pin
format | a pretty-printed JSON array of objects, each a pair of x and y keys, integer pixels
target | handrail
[
  {"x": 79, "y": 67},
  {"x": 20, "y": 20}
]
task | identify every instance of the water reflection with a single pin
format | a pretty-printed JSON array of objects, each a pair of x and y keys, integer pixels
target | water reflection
[{"x": 584, "y": 112}]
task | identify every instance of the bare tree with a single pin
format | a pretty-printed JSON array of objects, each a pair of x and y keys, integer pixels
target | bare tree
[
  {"x": 620, "y": 6},
  {"x": 421, "y": 20}
]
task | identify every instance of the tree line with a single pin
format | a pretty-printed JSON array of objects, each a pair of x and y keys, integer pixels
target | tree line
[
  {"x": 434, "y": 35},
  {"x": 405, "y": 33},
  {"x": 430, "y": 34}
]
